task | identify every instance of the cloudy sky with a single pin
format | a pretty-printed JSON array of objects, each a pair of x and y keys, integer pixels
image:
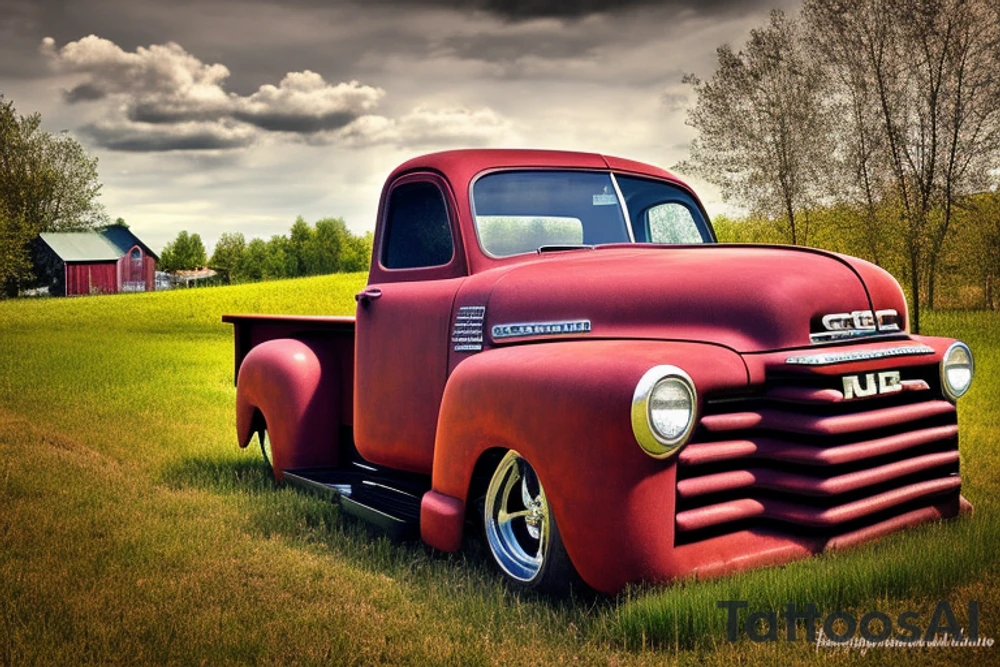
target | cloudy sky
[{"x": 238, "y": 115}]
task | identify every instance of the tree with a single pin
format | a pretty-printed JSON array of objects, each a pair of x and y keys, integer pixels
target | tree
[
  {"x": 281, "y": 261},
  {"x": 251, "y": 266},
  {"x": 48, "y": 183},
  {"x": 358, "y": 255},
  {"x": 184, "y": 252},
  {"x": 762, "y": 126},
  {"x": 301, "y": 236},
  {"x": 985, "y": 246},
  {"x": 228, "y": 251},
  {"x": 326, "y": 248},
  {"x": 924, "y": 71}
]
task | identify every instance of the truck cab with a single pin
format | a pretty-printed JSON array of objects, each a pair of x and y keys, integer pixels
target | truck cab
[{"x": 554, "y": 347}]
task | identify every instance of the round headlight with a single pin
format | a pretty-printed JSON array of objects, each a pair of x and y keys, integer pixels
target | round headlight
[
  {"x": 663, "y": 410},
  {"x": 957, "y": 368}
]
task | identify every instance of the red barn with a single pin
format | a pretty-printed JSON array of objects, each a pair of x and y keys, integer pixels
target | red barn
[{"x": 105, "y": 261}]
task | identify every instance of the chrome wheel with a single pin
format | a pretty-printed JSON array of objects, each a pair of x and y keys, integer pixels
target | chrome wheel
[{"x": 517, "y": 519}]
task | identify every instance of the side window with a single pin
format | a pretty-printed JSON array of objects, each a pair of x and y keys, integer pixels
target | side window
[
  {"x": 662, "y": 212},
  {"x": 417, "y": 232},
  {"x": 672, "y": 222}
]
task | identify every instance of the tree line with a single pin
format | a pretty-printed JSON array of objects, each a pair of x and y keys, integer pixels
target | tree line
[
  {"x": 327, "y": 246},
  {"x": 869, "y": 124}
]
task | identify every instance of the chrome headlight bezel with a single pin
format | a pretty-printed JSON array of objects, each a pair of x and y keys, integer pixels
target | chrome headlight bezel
[
  {"x": 949, "y": 391},
  {"x": 650, "y": 440}
]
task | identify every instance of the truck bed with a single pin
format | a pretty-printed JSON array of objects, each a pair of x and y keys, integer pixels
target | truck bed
[{"x": 338, "y": 332}]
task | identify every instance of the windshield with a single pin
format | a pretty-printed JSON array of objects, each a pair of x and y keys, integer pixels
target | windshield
[{"x": 524, "y": 211}]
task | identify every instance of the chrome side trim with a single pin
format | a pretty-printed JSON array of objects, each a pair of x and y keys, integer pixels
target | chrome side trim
[
  {"x": 832, "y": 336},
  {"x": 859, "y": 355},
  {"x": 525, "y": 329}
]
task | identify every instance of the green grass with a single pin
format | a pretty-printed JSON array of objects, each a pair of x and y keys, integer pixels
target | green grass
[{"x": 133, "y": 530}]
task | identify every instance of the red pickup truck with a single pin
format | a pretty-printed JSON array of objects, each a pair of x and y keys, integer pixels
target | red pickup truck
[{"x": 553, "y": 347}]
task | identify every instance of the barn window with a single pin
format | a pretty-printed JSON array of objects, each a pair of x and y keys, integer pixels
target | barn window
[{"x": 136, "y": 255}]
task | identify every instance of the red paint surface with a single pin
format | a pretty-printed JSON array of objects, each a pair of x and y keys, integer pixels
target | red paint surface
[
  {"x": 294, "y": 384},
  {"x": 142, "y": 270},
  {"x": 99, "y": 278},
  {"x": 441, "y": 519}
]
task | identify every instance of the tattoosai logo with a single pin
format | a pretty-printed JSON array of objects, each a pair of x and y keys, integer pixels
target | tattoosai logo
[{"x": 871, "y": 384}]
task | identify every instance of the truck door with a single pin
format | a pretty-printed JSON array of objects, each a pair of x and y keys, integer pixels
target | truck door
[{"x": 403, "y": 323}]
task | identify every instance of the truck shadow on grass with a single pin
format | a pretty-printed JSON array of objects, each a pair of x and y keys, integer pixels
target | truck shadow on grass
[
  {"x": 307, "y": 520},
  {"x": 683, "y": 615}
]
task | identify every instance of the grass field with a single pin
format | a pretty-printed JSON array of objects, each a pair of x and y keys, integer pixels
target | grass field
[{"x": 133, "y": 530}]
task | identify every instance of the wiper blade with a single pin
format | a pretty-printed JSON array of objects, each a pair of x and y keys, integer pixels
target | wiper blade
[{"x": 561, "y": 248}]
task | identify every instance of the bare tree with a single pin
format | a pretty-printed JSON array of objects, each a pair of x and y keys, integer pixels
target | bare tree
[
  {"x": 928, "y": 69},
  {"x": 762, "y": 126}
]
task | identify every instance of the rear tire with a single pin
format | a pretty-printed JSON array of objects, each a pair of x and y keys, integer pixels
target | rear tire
[
  {"x": 265, "y": 449},
  {"x": 521, "y": 531}
]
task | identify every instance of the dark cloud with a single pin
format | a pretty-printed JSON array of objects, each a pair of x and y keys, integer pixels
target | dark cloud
[
  {"x": 85, "y": 92},
  {"x": 297, "y": 124},
  {"x": 501, "y": 47},
  {"x": 526, "y": 10},
  {"x": 165, "y": 113},
  {"x": 131, "y": 139}
]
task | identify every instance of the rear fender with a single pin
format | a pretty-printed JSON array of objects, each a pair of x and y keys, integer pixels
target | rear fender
[
  {"x": 294, "y": 385},
  {"x": 566, "y": 407}
]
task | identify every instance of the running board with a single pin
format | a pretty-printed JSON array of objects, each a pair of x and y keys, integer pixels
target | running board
[{"x": 391, "y": 504}]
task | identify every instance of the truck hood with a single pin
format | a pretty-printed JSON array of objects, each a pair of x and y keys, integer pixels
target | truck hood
[{"x": 748, "y": 298}]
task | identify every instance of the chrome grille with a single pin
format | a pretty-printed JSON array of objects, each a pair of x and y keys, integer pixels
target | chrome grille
[{"x": 796, "y": 458}]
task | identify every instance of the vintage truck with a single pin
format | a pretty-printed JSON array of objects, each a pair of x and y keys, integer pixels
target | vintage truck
[{"x": 553, "y": 349}]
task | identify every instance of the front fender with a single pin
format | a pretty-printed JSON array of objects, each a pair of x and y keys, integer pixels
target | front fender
[
  {"x": 295, "y": 385},
  {"x": 566, "y": 408}
]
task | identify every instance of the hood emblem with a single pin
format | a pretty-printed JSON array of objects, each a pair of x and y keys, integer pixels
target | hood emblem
[
  {"x": 839, "y": 326},
  {"x": 525, "y": 329}
]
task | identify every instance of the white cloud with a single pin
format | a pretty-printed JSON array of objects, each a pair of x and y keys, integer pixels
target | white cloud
[
  {"x": 163, "y": 98},
  {"x": 427, "y": 128}
]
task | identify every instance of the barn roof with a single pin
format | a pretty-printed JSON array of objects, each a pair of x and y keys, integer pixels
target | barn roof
[{"x": 105, "y": 245}]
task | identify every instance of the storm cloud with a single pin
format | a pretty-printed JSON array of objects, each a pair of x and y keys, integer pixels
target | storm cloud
[
  {"x": 162, "y": 98},
  {"x": 526, "y": 10}
]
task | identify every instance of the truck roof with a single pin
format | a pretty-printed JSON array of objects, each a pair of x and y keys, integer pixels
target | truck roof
[{"x": 464, "y": 164}]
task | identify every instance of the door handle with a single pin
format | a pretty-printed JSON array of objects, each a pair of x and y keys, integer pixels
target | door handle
[{"x": 367, "y": 296}]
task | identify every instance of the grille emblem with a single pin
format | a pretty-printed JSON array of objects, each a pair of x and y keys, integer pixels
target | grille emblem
[{"x": 886, "y": 382}]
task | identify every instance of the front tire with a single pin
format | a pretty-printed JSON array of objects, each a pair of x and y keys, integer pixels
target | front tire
[{"x": 521, "y": 530}]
